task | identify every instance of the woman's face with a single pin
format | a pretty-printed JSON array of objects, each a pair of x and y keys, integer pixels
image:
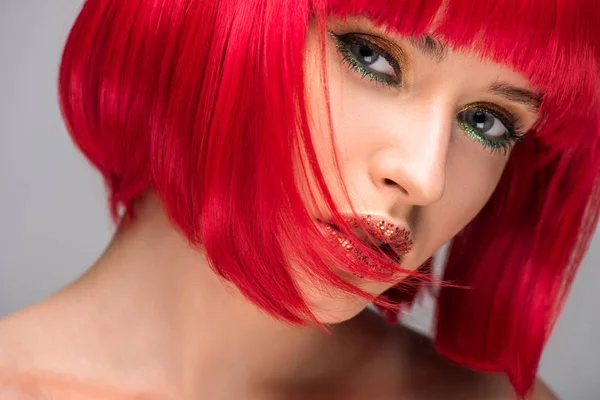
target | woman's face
[{"x": 423, "y": 134}]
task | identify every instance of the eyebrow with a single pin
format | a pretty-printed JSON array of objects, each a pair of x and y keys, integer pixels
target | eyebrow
[
  {"x": 430, "y": 46},
  {"x": 523, "y": 96}
]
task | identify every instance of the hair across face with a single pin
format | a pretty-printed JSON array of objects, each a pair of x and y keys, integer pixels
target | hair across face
[{"x": 205, "y": 103}]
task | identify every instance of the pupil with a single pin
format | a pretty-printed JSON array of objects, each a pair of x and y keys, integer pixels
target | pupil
[
  {"x": 479, "y": 117},
  {"x": 366, "y": 54}
]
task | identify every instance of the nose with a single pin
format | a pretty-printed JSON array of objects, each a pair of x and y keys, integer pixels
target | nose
[{"x": 412, "y": 164}]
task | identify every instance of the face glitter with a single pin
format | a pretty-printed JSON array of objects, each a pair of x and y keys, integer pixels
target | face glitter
[{"x": 393, "y": 241}]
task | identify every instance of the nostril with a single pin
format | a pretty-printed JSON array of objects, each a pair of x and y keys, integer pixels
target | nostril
[{"x": 389, "y": 182}]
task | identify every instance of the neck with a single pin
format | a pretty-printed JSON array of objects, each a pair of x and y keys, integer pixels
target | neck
[{"x": 161, "y": 315}]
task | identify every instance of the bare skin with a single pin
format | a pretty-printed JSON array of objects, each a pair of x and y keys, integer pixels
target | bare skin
[{"x": 151, "y": 319}]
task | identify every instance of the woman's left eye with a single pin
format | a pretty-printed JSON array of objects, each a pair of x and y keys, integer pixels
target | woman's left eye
[
  {"x": 368, "y": 59},
  {"x": 485, "y": 123},
  {"x": 490, "y": 127}
]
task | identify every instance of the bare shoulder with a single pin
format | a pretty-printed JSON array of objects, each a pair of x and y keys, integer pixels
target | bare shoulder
[
  {"x": 12, "y": 388},
  {"x": 26, "y": 339},
  {"x": 38, "y": 334},
  {"x": 43, "y": 385},
  {"x": 8, "y": 394},
  {"x": 16, "y": 333},
  {"x": 15, "y": 354},
  {"x": 436, "y": 377}
]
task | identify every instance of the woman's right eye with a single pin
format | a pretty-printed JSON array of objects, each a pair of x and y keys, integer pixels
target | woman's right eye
[{"x": 368, "y": 59}]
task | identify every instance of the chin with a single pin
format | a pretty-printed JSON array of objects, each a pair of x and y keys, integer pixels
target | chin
[{"x": 339, "y": 311}]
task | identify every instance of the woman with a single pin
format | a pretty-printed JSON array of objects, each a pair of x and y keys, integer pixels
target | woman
[{"x": 275, "y": 166}]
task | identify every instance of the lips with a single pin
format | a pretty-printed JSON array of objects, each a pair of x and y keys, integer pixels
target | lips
[{"x": 374, "y": 232}]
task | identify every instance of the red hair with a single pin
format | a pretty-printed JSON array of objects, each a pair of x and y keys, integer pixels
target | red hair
[{"x": 204, "y": 103}]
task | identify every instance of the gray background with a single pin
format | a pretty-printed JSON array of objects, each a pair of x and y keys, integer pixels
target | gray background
[{"x": 53, "y": 219}]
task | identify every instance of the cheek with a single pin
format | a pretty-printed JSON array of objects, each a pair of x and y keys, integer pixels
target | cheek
[
  {"x": 349, "y": 129},
  {"x": 472, "y": 177}
]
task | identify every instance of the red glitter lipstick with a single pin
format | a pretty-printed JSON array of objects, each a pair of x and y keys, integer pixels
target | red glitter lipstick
[{"x": 375, "y": 232}]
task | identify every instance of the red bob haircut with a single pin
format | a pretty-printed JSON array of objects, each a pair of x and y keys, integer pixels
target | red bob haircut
[{"x": 203, "y": 102}]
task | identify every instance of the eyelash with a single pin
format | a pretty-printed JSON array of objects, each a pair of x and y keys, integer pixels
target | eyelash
[
  {"x": 343, "y": 43},
  {"x": 515, "y": 132},
  {"x": 509, "y": 120}
]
